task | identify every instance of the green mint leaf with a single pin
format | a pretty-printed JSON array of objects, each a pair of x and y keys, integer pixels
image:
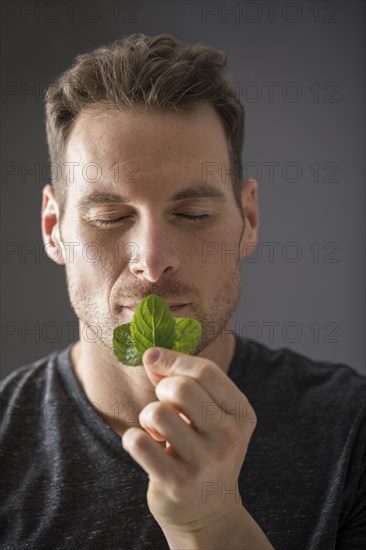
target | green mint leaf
[
  {"x": 152, "y": 325},
  {"x": 188, "y": 334},
  {"x": 123, "y": 346}
]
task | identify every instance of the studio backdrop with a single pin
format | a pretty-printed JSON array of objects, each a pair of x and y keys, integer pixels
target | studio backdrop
[{"x": 298, "y": 68}]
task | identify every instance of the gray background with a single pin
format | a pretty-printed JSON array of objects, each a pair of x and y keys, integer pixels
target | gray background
[{"x": 309, "y": 294}]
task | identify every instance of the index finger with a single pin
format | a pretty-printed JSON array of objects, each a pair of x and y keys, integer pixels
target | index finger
[{"x": 220, "y": 388}]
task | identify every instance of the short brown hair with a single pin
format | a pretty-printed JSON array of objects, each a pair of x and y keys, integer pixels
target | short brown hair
[{"x": 153, "y": 71}]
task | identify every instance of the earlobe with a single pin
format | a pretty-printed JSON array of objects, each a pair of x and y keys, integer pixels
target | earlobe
[
  {"x": 50, "y": 226},
  {"x": 249, "y": 238}
]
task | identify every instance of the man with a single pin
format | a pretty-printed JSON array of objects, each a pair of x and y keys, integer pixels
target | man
[{"x": 235, "y": 446}]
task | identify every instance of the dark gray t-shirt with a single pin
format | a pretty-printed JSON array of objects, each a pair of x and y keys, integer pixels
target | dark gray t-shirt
[{"x": 66, "y": 481}]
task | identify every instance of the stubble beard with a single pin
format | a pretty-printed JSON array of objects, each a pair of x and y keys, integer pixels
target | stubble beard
[{"x": 98, "y": 327}]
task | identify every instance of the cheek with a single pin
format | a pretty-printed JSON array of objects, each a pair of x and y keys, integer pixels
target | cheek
[
  {"x": 92, "y": 262},
  {"x": 95, "y": 250},
  {"x": 110, "y": 247},
  {"x": 222, "y": 249}
]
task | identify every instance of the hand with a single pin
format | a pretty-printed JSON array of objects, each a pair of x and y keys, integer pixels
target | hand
[{"x": 207, "y": 423}]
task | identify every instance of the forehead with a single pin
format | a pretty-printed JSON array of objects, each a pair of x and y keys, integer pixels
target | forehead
[{"x": 136, "y": 147}]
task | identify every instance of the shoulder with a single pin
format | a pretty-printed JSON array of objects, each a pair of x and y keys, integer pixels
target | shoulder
[
  {"x": 26, "y": 386},
  {"x": 284, "y": 375},
  {"x": 28, "y": 373},
  {"x": 287, "y": 363}
]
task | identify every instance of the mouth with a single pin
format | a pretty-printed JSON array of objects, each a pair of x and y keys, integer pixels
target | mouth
[{"x": 175, "y": 309}]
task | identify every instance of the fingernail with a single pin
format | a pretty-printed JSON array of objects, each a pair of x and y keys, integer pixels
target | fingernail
[{"x": 152, "y": 356}]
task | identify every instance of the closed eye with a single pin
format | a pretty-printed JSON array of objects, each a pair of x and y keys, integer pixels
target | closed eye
[
  {"x": 110, "y": 222},
  {"x": 193, "y": 217}
]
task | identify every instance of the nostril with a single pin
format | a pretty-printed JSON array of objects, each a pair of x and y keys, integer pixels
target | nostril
[{"x": 151, "y": 265}]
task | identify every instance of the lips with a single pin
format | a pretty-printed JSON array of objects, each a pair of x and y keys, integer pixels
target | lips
[
  {"x": 177, "y": 308},
  {"x": 173, "y": 308}
]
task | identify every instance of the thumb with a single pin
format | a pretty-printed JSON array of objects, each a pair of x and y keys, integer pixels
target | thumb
[
  {"x": 161, "y": 362},
  {"x": 153, "y": 361}
]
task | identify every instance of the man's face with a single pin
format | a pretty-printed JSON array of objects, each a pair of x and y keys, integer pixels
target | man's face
[{"x": 153, "y": 246}]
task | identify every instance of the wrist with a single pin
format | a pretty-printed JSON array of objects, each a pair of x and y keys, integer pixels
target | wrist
[{"x": 237, "y": 530}]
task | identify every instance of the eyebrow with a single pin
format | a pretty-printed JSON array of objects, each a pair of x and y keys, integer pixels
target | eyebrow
[{"x": 205, "y": 191}]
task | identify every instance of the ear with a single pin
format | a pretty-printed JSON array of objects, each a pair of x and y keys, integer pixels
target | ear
[
  {"x": 50, "y": 226},
  {"x": 250, "y": 208}
]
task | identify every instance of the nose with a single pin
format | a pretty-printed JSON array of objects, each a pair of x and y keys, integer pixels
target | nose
[{"x": 155, "y": 255}]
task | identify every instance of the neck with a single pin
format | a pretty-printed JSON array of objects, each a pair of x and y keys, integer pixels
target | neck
[{"x": 119, "y": 392}]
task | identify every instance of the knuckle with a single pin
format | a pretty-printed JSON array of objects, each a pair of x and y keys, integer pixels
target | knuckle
[
  {"x": 142, "y": 416},
  {"x": 158, "y": 413},
  {"x": 145, "y": 413},
  {"x": 151, "y": 413},
  {"x": 137, "y": 441},
  {"x": 183, "y": 390},
  {"x": 250, "y": 415},
  {"x": 204, "y": 371}
]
